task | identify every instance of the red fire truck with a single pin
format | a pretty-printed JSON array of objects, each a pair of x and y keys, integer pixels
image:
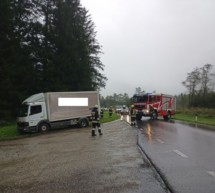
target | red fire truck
[{"x": 153, "y": 105}]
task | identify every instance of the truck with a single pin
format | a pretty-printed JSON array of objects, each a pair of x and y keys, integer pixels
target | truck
[
  {"x": 153, "y": 105},
  {"x": 43, "y": 111}
]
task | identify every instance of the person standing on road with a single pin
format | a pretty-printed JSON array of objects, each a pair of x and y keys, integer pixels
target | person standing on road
[
  {"x": 132, "y": 115},
  {"x": 95, "y": 121},
  {"x": 123, "y": 112}
]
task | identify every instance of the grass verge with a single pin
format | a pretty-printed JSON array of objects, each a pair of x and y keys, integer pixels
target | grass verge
[
  {"x": 8, "y": 131},
  {"x": 106, "y": 117},
  {"x": 204, "y": 116}
]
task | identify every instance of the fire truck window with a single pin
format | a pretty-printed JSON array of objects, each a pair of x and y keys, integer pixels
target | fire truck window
[{"x": 151, "y": 99}]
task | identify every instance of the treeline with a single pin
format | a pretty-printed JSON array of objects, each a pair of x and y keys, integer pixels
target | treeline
[
  {"x": 200, "y": 84},
  {"x": 116, "y": 99},
  {"x": 46, "y": 45},
  {"x": 200, "y": 88}
]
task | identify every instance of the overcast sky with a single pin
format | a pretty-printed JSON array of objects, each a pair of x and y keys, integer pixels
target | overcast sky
[{"x": 152, "y": 44}]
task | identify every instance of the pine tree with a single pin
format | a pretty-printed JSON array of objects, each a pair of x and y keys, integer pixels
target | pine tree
[{"x": 46, "y": 45}]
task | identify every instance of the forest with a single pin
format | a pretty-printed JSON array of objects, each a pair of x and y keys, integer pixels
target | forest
[{"x": 46, "y": 46}]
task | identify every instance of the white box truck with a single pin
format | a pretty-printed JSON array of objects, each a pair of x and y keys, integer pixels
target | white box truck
[{"x": 44, "y": 111}]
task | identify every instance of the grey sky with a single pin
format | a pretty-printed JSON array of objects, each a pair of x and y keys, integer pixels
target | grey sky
[{"x": 152, "y": 44}]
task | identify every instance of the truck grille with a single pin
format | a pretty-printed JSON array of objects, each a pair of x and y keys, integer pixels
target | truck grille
[{"x": 22, "y": 124}]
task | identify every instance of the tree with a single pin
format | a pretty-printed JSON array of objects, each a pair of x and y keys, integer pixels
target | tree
[
  {"x": 200, "y": 86},
  {"x": 206, "y": 77},
  {"x": 116, "y": 99},
  {"x": 191, "y": 83},
  {"x": 46, "y": 45}
]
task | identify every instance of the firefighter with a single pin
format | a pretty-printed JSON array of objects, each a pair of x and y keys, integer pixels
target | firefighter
[
  {"x": 132, "y": 115},
  {"x": 123, "y": 112},
  {"x": 110, "y": 111},
  {"x": 95, "y": 121}
]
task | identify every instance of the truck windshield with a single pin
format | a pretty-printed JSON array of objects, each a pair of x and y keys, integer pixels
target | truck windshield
[
  {"x": 23, "y": 111},
  {"x": 140, "y": 99}
]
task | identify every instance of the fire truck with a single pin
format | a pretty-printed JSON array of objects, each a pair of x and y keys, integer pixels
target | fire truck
[{"x": 153, "y": 105}]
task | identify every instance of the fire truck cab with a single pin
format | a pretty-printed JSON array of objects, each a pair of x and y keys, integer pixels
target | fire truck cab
[{"x": 153, "y": 105}]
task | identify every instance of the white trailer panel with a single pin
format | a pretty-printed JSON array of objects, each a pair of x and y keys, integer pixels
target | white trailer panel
[{"x": 70, "y": 105}]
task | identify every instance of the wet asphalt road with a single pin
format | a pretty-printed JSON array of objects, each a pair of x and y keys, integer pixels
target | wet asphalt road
[
  {"x": 183, "y": 154},
  {"x": 72, "y": 161}
]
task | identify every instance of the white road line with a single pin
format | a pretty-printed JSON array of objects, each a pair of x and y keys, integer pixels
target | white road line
[
  {"x": 180, "y": 153},
  {"x": 212, "y": 173},
  {"x": 160, "y": 141}
]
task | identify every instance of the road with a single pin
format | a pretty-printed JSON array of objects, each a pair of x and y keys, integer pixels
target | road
[
  {"x": 183, "y": 154},
  {"x": 71, "y": 160},
  {"x": 177, "y": 158}
]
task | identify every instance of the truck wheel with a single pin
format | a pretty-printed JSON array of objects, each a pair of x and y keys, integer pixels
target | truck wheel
[
  {"x": 83, "y": 123},
  {"x": 168, "y": 116},
  {"x": 43, "y": 127}
]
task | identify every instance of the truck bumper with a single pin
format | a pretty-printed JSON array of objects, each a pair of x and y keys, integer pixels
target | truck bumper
[{"x": 27, "y": 129}]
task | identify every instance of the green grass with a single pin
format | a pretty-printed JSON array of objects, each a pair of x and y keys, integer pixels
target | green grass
[
  {"x": 9, "y": 131},
  {"x": 204, "y": 116},
  {"x": 106, "y": 117}
]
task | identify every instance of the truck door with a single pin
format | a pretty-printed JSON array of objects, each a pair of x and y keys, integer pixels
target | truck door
[{"x": 36, "y": 114}]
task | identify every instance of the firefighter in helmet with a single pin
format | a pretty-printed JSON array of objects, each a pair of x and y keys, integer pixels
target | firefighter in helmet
[
  {"x": 132, "y": 115},
  {"x": 95, "y": 121}
]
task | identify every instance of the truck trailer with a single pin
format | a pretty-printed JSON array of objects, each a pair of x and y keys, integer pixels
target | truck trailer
[{"x": 44, "y": 111}]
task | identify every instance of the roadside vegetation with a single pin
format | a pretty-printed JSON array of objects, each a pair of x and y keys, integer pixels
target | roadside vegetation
[
  {"x": 196, "y": 115},
  {"x": 9, "y": 131},
  {"x": 106, "y": 117}
]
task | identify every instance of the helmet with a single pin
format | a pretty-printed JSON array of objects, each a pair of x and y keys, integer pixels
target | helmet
[
  {"x": 132, "y": 106},
  {"x": 96, "y": 106}
]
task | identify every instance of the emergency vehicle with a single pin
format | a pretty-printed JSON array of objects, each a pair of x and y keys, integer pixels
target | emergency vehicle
[{"x": 153, "y": 105}]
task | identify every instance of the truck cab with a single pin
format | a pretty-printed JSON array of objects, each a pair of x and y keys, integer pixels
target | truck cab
[
  {"x": 153, "y": 105},
  {"x": 30, "y": 115}
]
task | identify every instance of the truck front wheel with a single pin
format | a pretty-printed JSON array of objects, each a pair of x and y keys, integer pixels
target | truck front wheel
[
  {"x": 168, "y": 116},
  {"x": 43, "y": 127}
]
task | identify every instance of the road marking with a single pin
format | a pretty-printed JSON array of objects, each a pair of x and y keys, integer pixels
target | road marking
[
  {"x": 212, "y": 173},
  {"x": 160, "y": 141},
  {"x": 180, "y": 153}
]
